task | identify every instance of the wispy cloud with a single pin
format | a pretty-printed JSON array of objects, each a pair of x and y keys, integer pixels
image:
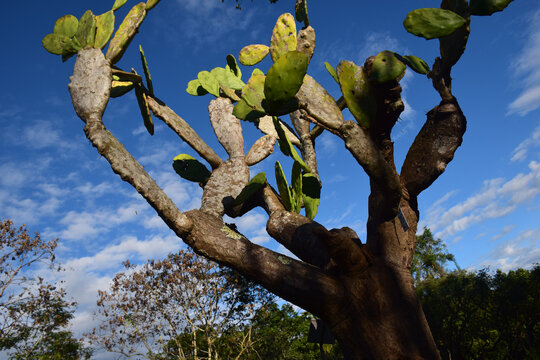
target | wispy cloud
[
  {"x": 521, "y": 151},
  {"x": 527, "y": 69},
  {"x": 496, "y": 199}
]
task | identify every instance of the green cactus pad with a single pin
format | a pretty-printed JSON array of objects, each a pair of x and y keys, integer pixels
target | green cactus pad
[
  {"x": 311, "y": 189},
  {"x": 257, "y": 71},
  {"x": 67, "y": 25},
  {"x": 232, "y": 66},
  {"x": 251, "y": 188},
  {"x": 414, "y": 62},
  {"x": 331, "y": 71},
  {"x": 118, "y": 4},
  {"x": 86, "y": 31},
  {"x": 55, "y": 43},
  {"x": 285, "y": 78},
  {"x": 253, "y": 54},
  {"x": 151, "y": 3},
  {"x": 227, "y": 78},
  {"x": 245, "y": 112},
  {"x": 296, "y": 186},
  {"x": 120, "y": 88},
  {"x": 145, "y": 110},
  {"x": 104, "y": 30},
  {"x": 283, "y": 36},
  {"x": 125, "y": 33},
  {"x": 226, "y": 91},
  {"x": 209, "y": 82},
  {"x": 253, "y": 92},
  {"x": 190, "y": 169},
  {"x": 71, "y": 49},
  {"x": 194, "y": 88},
  {"x": 301, "y": 12},
  {"x": 286, "y": 146},
  {"x": 149, "y": 83},
  {"x": 386, "y": 67},
  {"x": 488, "y": 7},
  {"x": 283, "y": 187},
  {"x": 357, "y": 92},
  {"x": 431, "y": 23}
]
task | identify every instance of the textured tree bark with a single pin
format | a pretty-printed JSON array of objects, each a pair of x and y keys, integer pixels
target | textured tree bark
[{"x": 363, "y": 291}]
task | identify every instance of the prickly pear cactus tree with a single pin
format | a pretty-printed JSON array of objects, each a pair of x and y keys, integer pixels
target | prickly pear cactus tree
[{"x": 363, "y": 290}]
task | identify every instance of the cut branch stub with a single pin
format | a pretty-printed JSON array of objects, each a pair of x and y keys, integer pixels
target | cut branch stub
[
  {"x": 190, "y": 169},
  {"x": 86, "y": 31},
  {"x": 431, "y": 23},
  {"x": 90, "y": 84},
  {"x": 226, "y": 126},
  {"x": 253, "y": 54},
  {"x": 104, "y": 29},
  {"x": 306, "y": 42},
  {"x": 151, "y": 3},
  {"x": 224, "y": 185},
  {"x": 126, "y": 32},
  {"x": 357, "y": 92},
  {"x": 283, "y": 36},
  {"x": 260, "y": 150},
  {"x": 385, "y": 67}
]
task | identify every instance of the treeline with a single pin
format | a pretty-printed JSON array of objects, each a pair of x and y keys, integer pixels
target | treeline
[{"x": 185, "y": 307}]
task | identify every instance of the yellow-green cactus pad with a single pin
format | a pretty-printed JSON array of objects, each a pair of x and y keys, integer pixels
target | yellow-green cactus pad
[
  {"x": 232, "y": 66},
  {"x": 386, "y": 67},
  {"x": 283, "y": 187},
  {"x": 311, "y": 190},
  {"x": 296, "y": 186},
  {"x": 227, "y": 78},
  {"x": 283, "y": 36},
  {"x": 145, "y": 110},
  {"x": 357, "y": 92},
  {"x": 146, "y": 72},
  {"x": 104, "y": 30},
  {"x": 55, "y": 43},
  {"x": 195, "y": 88},
  {"x": 285, "y": 78},
  {"x": 190, "y": 169},
  {"x": 118, "y": 4},
  {"x": 209, "y": 82},
  {"x": 488, "y": 7},
  {"x": 253, "y": 54},
  {"x": 67, "y": 25},
  {"x": 431, "y": 23},
  {"x": 125, "y": 33},
  {"x": 86, "y": 31},
  {"x": 414, "y": 62},
  {"x": 251, "y": 188},
  {"x": 120, "y": 88}
]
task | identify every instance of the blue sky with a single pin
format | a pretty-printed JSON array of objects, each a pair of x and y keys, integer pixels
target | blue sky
[{"x": 485, "y": 206}]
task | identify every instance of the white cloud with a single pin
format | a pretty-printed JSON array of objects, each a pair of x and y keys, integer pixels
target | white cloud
[
  {"x": 496, "y": 199},
  {"x": 527, "y": 68},
  {"x": 520, "y": 152},
  {"x": 520, "y": 252}
]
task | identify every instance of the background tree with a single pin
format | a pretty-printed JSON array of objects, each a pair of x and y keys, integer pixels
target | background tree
[
  {"x": 33, "y": 311},
  {"x": 484, "y": 316},
  {"x": 364, "y": 291},
  {"x": 430, "y": 258},
  {"x": 182, "y": 307}
]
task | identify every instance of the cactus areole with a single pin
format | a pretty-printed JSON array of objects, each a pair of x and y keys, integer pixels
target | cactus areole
[{"x": 362, "y": 289}]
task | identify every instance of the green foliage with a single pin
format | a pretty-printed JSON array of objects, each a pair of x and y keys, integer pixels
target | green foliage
[
  {"x": 227, "y": 77},
  {"x": 145, "y": 110},
  {"x": 146, "y": 72},
  {"x": 488, "y": 7},
  {"x": 251, "y": 188},
  {"x": 311, "y": 194},
  {"x": 431, "y": 23},
  {"x": 209, "y": 82},
  {"x": 283, "y": 187},
  {"x": 151, "y": 3},
  {"x": 253, "y": 92},
  {"x": 287, "y": 147},
  {"x": 414, "y": 62},
  {"x": 195, "y": 88},
  {"x": 104, "y": 30},
  {"x": 253, "y": 54},
  {"x": 120, "y": 88},
  {"x": 484, "y": 316},
  {"x": 430, "y": 257},
  {"x": 126, "y": 32},
  {"x": 296, "y": 186},
  {"x": 67, "y": 25},
  {"x": 232, "y": 66},
  {"x": 118, "y": 4},
  {"x": 357, "y": 92},
  {"x": 331, "y": 71},
  {"x": 55, "y": 43},
  {"x": 284, "y": 79},
  {"x": 386, "y": 67},
  {"x": 190, "y": 169},
  {"x": 283, "y": 37},
  {"x": 86, "y": 31}
]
